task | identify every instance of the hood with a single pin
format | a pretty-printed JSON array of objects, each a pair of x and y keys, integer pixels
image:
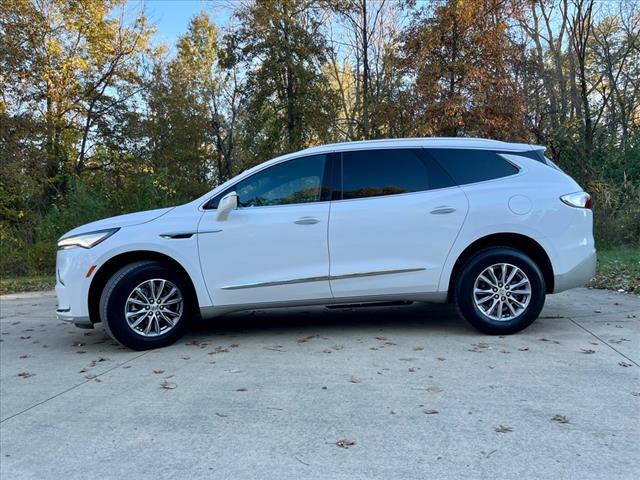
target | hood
[{"x": 128, "y": 220}]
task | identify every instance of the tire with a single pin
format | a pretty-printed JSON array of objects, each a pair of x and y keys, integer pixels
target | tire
[
  {"x": 133, "y": 289},
  {"x": 512, "y": 312}
]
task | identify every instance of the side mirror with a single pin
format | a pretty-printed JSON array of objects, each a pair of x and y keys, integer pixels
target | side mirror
[{"x": 227, "y": 203}]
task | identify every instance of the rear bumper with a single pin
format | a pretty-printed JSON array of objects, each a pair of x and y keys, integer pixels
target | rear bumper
[{"x": 578, "y": 276}]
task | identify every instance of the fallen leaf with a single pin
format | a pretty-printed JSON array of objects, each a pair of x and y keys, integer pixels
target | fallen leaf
[
  {"x": 503, "y": 429},
  {"x": 168, "y": 385},
  {"x": 306, "y": 339},
  {"x": 560, "y": 419},
  {"x": 430, "y": 412},
  {"x": 354, "y": 379},
  {"x": 345, "y": 443}
]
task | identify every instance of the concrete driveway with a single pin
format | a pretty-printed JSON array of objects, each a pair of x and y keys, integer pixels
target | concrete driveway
[{"x": 269, "y": 395}]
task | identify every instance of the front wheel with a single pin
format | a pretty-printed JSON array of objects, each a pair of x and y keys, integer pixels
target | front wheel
[
  {"x": 500, "y": 291},
  {"x": 145, "y": 305}
]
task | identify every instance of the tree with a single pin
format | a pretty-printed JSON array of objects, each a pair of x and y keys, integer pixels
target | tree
[
  {"x": 69, "y": 64},
  {"x": 288, "y": 99},
  {"x": 459, "y": 57}
]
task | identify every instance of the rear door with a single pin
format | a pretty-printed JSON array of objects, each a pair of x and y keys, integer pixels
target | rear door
[{"x": 394, "y": 217}]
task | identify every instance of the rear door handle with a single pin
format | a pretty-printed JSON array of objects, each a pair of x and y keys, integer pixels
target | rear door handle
[
  {"x": 442, "y": 210},
  {"x": 306, "y": 221}
]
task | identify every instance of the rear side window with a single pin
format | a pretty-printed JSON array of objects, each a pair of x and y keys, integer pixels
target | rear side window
[
  {"x": 375, "y": 173},
  {"x": 471, "y": 166}
]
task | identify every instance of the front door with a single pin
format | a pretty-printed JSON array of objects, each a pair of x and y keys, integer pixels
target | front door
[
  {"x": 273, "y": 247},
  {"x": 393, "y": 223}
]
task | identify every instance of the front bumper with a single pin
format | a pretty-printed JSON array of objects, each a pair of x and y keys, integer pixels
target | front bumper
[
  {"x": 80, "y": 322},
  {"x": 72, "y": 286},
  {"x": 578, "y": 276}
]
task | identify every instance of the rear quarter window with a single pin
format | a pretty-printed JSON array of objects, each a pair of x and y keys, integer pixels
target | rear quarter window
[{"x": 467, "y": 166}]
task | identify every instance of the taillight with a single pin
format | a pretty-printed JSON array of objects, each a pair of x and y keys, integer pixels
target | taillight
[{"x": 578, "y": 199}]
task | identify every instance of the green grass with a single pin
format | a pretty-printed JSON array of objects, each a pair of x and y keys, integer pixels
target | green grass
[
  {"x": 618, "y": 270},
  {"x": 26, "y": 284}
]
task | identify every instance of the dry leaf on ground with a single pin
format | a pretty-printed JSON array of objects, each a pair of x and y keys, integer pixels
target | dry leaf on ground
[
  {"x": 503, "y": 429},
  {"x": 560, "y": 419},
  {"x": 345, "y": 443}
]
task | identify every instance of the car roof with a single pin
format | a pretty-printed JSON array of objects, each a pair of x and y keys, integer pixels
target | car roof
[{"x": 433, "y": 142}]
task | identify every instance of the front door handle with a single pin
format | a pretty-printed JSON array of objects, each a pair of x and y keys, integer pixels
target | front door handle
[
  {"x": 443, "y": 209},
  {"x": 306, "y": 221}
]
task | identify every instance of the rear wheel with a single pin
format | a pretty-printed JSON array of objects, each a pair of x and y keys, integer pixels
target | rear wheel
[
  {"x": 146, "y": 305},
  {"x": 500, "y": 291}
]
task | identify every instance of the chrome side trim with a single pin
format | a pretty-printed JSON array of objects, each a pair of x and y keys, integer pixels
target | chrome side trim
[
  {"x": 375, "y": 273},
  {"x": 275, "y": 283},
  {"x": 187, "y": 234},
  {"x": 321, "y": 278}
]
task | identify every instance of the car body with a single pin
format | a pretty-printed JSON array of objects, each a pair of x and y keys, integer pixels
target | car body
[{"x": 347, "y": 223}]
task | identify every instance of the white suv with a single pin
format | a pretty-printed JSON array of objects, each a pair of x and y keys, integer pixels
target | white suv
[{"x": 491, "y": 226}]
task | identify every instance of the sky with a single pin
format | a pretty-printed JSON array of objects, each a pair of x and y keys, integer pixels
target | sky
[{"x": 171, "y": 17}]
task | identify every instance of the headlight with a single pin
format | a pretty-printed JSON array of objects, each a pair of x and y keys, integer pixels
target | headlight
[{"x": 86, "y": 240}]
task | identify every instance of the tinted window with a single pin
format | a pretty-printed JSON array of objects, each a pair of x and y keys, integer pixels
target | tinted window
[
  {"x": 373, "y": 173},
  {"x": 471, "y": 166},
  {"x": 293, "y": 181}
]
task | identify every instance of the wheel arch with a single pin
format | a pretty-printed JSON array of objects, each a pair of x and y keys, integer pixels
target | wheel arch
[
  {"x": 520, "y": 242},
  {"x": 115, "y": 263}
]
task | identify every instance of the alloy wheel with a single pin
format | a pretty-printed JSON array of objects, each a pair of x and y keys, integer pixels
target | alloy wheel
[
  {"x": 502, "y": 292},
  {"x": 154, "y": 307}
]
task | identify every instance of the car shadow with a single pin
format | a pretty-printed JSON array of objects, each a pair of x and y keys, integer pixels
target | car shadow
[
  {"x": 298, "y": 320},
  {"x": 416, "y": 318}
]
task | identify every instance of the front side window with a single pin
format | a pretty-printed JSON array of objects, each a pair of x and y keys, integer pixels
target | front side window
[
  {"x": 471, "y": 166},
  {"x": 374, "y": 173},
  {"x": 290, "y": 182}
]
